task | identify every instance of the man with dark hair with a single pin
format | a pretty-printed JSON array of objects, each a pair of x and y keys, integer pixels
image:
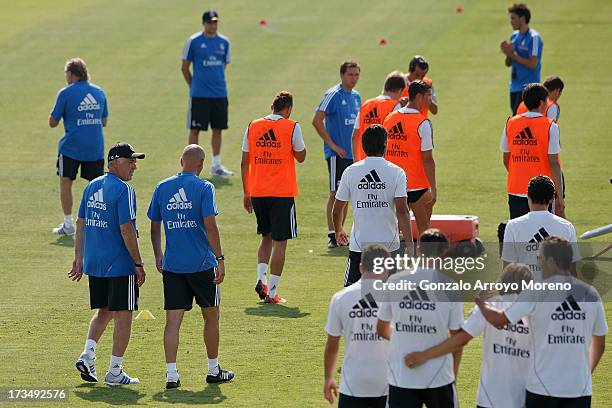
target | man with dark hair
[
  {"x": 269, "y": 150},
  {"x": 84, "y": 109},
  {"x": 568, "y": 329},
  {"x": 411, "y": 148},
  {"x": 415, "y": 320},
  {"x": 523, "y": 53},
  {"x": 353, "y": 312},
  {"x": 209, "y": 52},
  {"x": 524, "y": 234},
  {"x": 530, "y": 146},
  {"x": 377, "y": 189},
  {"x": 417, "y": 71},
  {"x": 193, "y": 265},
  {"x": 554, "y": 85},
  {"x": 338, "y": 109},
  {"x": 106, "y": 249},
  {"x": 375, "y": 110}
]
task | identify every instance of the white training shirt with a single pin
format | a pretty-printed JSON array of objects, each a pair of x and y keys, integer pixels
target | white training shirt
[
  {"x": 506, "y": 357},
  {"x": 553, "y": 112},
  {"x": 554, "y": 144},
  {"x": 364, "y": 369},
  {"x": 425, "y": 130},
  {"x": 562, "y": 324},
  {"x": 420, "y": 322},
  {"x": 297, "y": 140},
  {"x": 381, "y": 96},
  {"x": 372, "y": 185},
  {"x": 523, "y": 236}
]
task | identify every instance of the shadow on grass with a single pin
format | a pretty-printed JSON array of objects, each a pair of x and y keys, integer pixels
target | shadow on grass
[
  {"x": 64, "y": 240},
  {"x": 275, "y": 310},
  {"x": 336, "y": 252},
  {"x": 210, "y": 395},
  {"x": 111, "y": 396},
  {"x": 219, "y": 181}
]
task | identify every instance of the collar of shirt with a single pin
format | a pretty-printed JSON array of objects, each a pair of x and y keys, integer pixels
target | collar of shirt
[
  {"x": 185, "y": 173},
  {"x": 383, "y": 97},
  {"x": 273, "y": 116},
  {"x": 530, "y": 114},
  {"x": 406, "y": 109},
  {"x": 372, "y": 158}
]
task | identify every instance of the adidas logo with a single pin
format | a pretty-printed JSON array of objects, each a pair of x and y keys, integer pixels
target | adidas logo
[
  {"x": 397, "y": 132},
  {"x": 372, "y": 117},
  {"x": 534, "y": 243},
  {"x": 519, "y": 327},
  {"x": 97, "y": 201},
  {"x": 366, "y": 307},
  {"x": 268, "y": 140},
  {"x": 417, "y": 300},
  {"x": 371, "y": 181},
  {"x": 569, "y": 310},
  {"x": 179, "y": 201},
  {"x": 88, "y": 103},
  {"x": 525, "y": 138},
  {"x": 343, "y": 102}
]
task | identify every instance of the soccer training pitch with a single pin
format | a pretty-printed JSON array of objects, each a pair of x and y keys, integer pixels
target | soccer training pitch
[{"x": 133, "y": 50}]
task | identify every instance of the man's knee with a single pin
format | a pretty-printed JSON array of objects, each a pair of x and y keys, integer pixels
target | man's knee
[{"x": 210, "y": 314}]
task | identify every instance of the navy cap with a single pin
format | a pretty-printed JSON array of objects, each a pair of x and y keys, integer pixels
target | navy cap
[
  {"x": 125, "y": 150},
  {"x": 210, "y": 15}
]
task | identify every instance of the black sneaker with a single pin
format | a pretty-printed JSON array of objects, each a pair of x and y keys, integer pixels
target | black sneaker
[
  {"x": 171, "y": 384},
  {"x": 221, "y": 377},
  {"x": 332, "y": 243}
]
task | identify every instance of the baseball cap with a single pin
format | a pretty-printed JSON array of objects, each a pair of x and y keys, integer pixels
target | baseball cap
[
  {"x": 125, "y": 150},
  {"x": 210, "y": 15}
]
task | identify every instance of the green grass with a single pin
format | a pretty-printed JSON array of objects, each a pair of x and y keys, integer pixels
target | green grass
[{"x": 133, "y": 50}]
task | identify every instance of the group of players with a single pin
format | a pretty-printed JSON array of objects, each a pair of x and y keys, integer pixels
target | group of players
[{"x": 379, "y": 157}]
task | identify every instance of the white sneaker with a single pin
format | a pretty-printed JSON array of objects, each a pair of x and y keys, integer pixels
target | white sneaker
[
  {"x": 85, "y": 365},
  {"x": 63, "y": 229},
  {"x": 220, "y": 170},
  {"x": 120, "y": 379},
  {"x": 172, "y": 380}
]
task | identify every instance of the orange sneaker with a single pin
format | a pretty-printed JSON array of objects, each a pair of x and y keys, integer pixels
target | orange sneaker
[
  {"x": 261, "y": 289},
  {"x": 275, "y": 299}
]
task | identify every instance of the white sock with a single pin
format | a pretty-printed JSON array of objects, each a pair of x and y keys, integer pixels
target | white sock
[
  {"x": 171, "y": 367},
  {"x": 68, "y": 221},
  {"x": 216, "y": 160},
  {"x": 262, "y": 270},
  {"x": 213, "y": 366},
  {"x": 90, "y": 348},
  {"x": 273, "y": 286},
  {"x": 115, "y": 365}
]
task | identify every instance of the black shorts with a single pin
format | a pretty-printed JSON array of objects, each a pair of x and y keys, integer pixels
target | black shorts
[
  {"x": 519, "y": 206},
  {"x": 181, "y": 288},
  {"x": 69, "y": 167},
  {"x": 117, "y": 293},
  {"x": 515, "y": 100},
  {"x": 204, "y": 111},
  {"x": 276, "y": 216},
  {"x": 440, "y": 397},
  {"x": 352, "y": 273},
  {"x": 414, "y": 196},
  {"x": 335, "y": 167},
  {"x": 543, "y": 401},
  {"x": 347, "y": 401}
]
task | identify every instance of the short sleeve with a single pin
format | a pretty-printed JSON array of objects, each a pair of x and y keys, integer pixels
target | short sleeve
[
  {"x": 400, "y": 186},
  {"x": 344, "y": 192},
  {"x": 552, "y": 112},
  {"x": 333, "y": 327},
  {"x": 536, "y": 46},
  {"x": 523, "y": 306},
  {"x": 385, "y": 311},
  {"x": 228, "y": 54},
  {"x": 154, "y": 212},
  {"x": 509, "y": 251},
  {"x": 126, "y": 205},
  {"x": 600, "y": 327},
  {"x": 433, "y": 94},
  {"x": 397, "y": 107},
  {"x": 456, "y": 316},
  {"x": 356, "y": 127},
  {"x": 426, "y": 134},
  {"x": 105, "y": 109},
  {"x": 245, "y": 141},
  {"x": 327, "y": 104},
  {"x": 297, "y": 140},
  {"x": 187, "y": 53},
  {"x": 574, "y": 242},
  {"x": 503, "y": 144},
  {"x": 60, "y": 105},
  {"x": 209, "y": 200},
  {"x": 554, "y": 140},
  {"x": 83, "y": 205},
  {"x": 475, "y": 324}
]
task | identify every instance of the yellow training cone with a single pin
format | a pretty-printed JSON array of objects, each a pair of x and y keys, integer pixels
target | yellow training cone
[{"x": 145, "y": 315}]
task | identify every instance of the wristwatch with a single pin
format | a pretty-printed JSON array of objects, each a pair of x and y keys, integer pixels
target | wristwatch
[{"x": 220, "y": 258}]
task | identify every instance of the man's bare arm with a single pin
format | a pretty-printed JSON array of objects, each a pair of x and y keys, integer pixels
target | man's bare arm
[{"x": 186, "y": 72}]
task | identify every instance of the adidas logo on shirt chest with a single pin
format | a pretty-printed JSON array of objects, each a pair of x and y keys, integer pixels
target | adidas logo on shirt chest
[
  {"x": 366, "y": 307},
  {"x": 88, "y": 103},
  {"x": 96, "y": 201},
  {"x": 268, "y": 140},
  {"x": 371, "y": 181},
  {"x": 179, "y": 201}
]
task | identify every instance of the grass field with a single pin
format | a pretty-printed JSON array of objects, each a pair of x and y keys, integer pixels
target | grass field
[{"x": 133, "y": 51}]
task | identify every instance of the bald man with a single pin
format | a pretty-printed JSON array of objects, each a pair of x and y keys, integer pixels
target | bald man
[{"x": 193, "y": 263}]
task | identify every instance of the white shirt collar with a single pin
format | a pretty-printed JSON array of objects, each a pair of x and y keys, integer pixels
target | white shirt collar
[
  {"x": 530, "y": 114},
  {"x": 273, "y": 116}
]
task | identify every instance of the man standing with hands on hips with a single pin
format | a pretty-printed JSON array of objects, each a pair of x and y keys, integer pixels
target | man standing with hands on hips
[{"x": 106, "y": 249}]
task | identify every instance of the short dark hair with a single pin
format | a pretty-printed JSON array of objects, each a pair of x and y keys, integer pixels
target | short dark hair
[
  {"x": 533, "y": 95},
  {"x": 433, "y": 243},
  {"x": 515, "y": 273},
  {"x": 558, "y": 249},
  {"x": 417, "y": 87},
  {"x": 281, "y": 101},
  {"x": 552, "y": 83},
  {"x": 418, "y": 61},
  {"x": 521, "y": 10},
  {"x": 348, "y": 64},
  {"x": 78, "y": 68},
  {"x": 370, "y": 253},
  {"x": 395, "y": 82},
  {"x": 541, "y": 189},
  {"x": 374, "y": 140}
]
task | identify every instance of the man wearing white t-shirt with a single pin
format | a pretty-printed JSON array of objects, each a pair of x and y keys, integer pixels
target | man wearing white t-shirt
[
  {"x": 421, "y": 319},
  {"x": 506, "y": 353},
  {"x": 353, "y": 314},
  {"x": 568, "y": 329},
  {"x": 377, "y": 189},
  {"x": 523, "y": 235}
]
